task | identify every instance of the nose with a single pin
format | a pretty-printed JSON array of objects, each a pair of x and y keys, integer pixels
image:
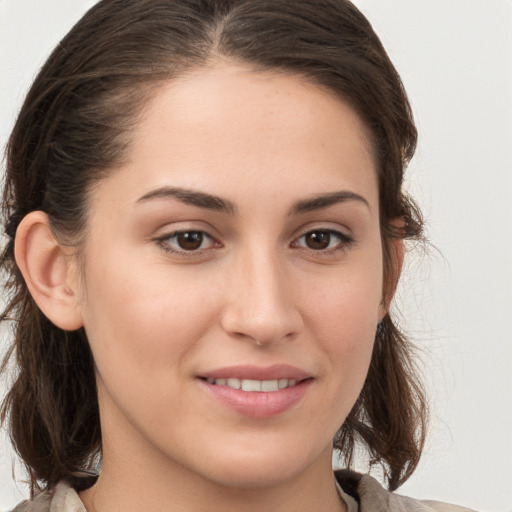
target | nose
[{"x": 261, "y": 306}]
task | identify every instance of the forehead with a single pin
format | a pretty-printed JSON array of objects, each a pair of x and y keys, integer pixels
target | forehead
[
  {"x": 235, "y": 97},
  {"x": 231, "y": 128}
]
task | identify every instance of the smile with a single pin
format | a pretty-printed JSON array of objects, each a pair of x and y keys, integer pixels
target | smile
[
  {"x": 252, "y": 385},
  {"x": 257, "y": 392}
]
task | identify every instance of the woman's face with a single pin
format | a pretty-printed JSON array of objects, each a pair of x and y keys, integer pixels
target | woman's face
[{"x": 238, "y": 246}]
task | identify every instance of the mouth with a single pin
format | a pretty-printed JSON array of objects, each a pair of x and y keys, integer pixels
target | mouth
[
  {"x": 257, "y": 392},
  {"x": 252, "y": 385},
  {"x": 256, "y": 379}
]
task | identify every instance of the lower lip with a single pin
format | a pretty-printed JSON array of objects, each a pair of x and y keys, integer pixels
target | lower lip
[{"x": 256, "y": 404}]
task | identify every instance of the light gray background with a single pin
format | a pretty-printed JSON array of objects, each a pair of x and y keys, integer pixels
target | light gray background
[{"x": 455, "y": 58}]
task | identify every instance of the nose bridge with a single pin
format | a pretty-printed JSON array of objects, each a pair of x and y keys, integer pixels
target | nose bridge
[{"x": 261, "y": 305}]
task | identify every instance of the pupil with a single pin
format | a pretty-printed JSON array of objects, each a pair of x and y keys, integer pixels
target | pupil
[
  {"x": 318, "y": 240},
  {"x": 190, "y": 240}
]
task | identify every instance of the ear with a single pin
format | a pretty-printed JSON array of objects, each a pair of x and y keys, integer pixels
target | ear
[
  {"x": 48, "y": 270},
  {"x": 393, "y": 268}
]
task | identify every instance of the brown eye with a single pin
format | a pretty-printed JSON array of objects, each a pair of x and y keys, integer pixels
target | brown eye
[
  {"x": 190, "y": 240},
  {"x": 318, "y": 240},
  {"x": 186, "y": 241},
  {"x": 324, "y": 240}
]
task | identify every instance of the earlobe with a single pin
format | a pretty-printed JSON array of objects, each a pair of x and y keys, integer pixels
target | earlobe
[{"x": 46, "y": 268}]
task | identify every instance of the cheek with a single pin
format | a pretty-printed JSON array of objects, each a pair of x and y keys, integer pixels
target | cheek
[
  {"x": 348, "y": 301},
  {"x": 141, "y": 324},
  {"x": 342, "y": 315},
  {"x": 143, "y": 334}
]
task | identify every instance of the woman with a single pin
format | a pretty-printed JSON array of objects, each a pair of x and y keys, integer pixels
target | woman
[{"x": 205, "y": 229}]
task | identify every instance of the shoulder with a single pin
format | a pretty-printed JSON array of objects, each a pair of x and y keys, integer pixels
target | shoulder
[
  {"x": 372, "y": 497},
  {"x": 63, "y": 498}
]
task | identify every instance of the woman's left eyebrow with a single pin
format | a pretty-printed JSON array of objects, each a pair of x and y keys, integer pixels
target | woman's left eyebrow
[{"x": 320, "y": 201}]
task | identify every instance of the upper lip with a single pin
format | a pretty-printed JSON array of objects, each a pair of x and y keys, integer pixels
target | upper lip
[{"x": 276, "y": 371}]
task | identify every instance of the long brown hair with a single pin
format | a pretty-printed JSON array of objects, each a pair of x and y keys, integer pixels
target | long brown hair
[{"x": 74, "y": 127}]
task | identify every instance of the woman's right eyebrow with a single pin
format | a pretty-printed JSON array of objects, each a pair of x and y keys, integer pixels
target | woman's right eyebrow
[{"x": 191, "y": 197}]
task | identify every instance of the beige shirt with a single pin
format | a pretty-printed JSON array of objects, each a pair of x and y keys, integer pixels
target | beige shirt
[{"x": 370, "y": 496}]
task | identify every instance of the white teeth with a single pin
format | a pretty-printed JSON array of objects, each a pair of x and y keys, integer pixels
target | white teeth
[
  {"x": 252, "y": 385},
  {"x": 269, "y": 385},
  {"x": 233, "y": 383}
]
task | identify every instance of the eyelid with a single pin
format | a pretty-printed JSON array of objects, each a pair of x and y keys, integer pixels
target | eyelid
[{"x": 334, "y": 227}]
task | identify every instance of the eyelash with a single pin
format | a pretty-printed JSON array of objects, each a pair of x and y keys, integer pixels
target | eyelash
[{"x": 344, "y": 242}]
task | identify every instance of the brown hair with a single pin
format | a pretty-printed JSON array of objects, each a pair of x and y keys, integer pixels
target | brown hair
[{"x": 75, "y": 126}]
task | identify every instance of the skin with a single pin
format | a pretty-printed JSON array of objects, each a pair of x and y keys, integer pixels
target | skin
[{"x": 258, "y": 291}]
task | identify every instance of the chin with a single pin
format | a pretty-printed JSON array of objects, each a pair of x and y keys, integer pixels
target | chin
[
  {"x": 263, "y": 468},
  {"x": 255, "y": 476}
]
